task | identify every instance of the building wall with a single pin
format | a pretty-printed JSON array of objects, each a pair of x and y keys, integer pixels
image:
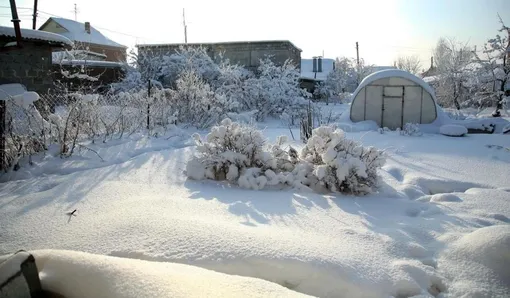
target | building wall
[
  {"x": 112, "y": 53},
  {"x": 247, "y": 54},
  {"x": 30, "y": 66}
]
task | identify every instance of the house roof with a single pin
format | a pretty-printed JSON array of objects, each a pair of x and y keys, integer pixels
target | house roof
[
  {"x": 307, "y": 69},
  {"x": 76, "y": 32},
  {"x": 155, "y": 45},
  {"x": 34, "y": 35}
]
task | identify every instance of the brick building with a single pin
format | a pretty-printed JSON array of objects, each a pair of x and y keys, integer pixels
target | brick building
[
  {"x": 245, "y": 53},
  {"x": 30, "y": 64},
  {"x": 86, "y": 38}
]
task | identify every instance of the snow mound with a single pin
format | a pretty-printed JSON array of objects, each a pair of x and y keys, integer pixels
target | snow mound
[
  {"x": 453, "y": 130},
  {"x": 78, "y": 274},
  {"x": 445, "y": 197},
  {"x": 479, "y": 260}
]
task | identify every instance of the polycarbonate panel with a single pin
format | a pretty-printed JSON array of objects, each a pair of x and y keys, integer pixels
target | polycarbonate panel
[
  {"x": 428, "y": 109},
  {"x": 373, "y": 109},
  {"x": 412, "y": 104},
  {"x": 393, "y": 91},
  {"x": 358, "y": 107}
]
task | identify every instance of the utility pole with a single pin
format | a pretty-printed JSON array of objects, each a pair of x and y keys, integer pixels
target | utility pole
[
  {"x": 357, "y": 54},
  {"x": 75, "y": 12},
  {"x": 185, "y": 27},
  {"x": 34, "y": 19}
]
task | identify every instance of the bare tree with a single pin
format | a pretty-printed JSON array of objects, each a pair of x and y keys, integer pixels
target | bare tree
[
  {"x": 494, "y": 75},
  {"x": 410, "y": 64},
  {"x": 451, "y": 58}
]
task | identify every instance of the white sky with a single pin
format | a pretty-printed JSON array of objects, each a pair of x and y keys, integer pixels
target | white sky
[{"x": 384, "y": 29}]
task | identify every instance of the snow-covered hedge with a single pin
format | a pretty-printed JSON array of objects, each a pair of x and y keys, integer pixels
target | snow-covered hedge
[{"x": 239, "y": 154}]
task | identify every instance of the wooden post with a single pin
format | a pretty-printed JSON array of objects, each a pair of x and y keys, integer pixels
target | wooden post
[
  {"x": 34, "y": 17},
  {"x": 15, "y": 20},
  {"x": 148, "y": 105}
]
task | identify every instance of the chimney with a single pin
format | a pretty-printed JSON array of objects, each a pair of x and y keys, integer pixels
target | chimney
[
  {"x": 319, "y": 64},
  {"x": 314, "y": 64},
  {"x": 87, "y": 27}
]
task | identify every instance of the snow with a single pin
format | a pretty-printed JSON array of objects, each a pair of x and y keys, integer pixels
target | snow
[
  {"x": 76, "y": 32},
  {"x": 453, "y": 130},
  {"x": 78, "y": 274},
  {"x": 37, "y": 35},
  {"x": 479, "y": 263},
  {"x": 18, "y": 95},
  {"x": 394, "y": 73},
  {"x": 437, "y": 225},
  {"x": 90, "y": 63}
]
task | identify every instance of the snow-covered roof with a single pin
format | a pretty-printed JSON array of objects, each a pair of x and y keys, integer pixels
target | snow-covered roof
[
  {"x": 76, "y": 32},
  {"x": 90, "y": 63},
  {"x": 377, "y": 68},
  {"x": 155, "y": 45},
  {"x": 307, "y": 69},
  {"x": 28, "y": 34},
  {"x": 394, "y": 73}
]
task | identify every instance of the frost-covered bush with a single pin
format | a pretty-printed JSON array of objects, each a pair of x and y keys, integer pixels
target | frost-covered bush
[
  {"x": 340, "y": 164},
  {"x": 275, "y": 91},
  {"x": 238, "y": 153},
  {"x": 227, "y": 150},
  {"x": 196, "y": 103},
  {"x": 329, "y": 161},
  {"x": 411, "y": 129}
]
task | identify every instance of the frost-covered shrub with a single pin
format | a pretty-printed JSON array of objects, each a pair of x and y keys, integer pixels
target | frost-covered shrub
[
  {"x": 340, "y": 164},
  {"x": 411, "y": 129},
  {"x": 227, "y": 150},
  {"x": 238, "y": 153},
  {"x": 275, "y": 91},
  {"x": 196, "y": 103},
  {"x": 329, "y": 161}
]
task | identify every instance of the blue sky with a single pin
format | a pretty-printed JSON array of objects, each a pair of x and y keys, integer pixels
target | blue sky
[{"x": 384, "y": 29}]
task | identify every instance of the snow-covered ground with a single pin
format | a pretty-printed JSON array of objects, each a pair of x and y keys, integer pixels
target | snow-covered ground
[{"x": 438, "y": 226}]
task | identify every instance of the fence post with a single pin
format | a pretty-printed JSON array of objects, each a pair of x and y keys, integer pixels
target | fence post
[
  {"x": 3, "y": 162},
  {"x": 148, "y": 105}
]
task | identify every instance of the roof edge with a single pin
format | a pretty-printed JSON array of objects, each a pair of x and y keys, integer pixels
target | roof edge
[{"x": 213, "y": 43}]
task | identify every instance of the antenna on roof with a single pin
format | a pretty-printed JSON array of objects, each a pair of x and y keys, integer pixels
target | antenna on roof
[
  {"x": 75, "y": 12},
  {"x": 185, "y": 27}
]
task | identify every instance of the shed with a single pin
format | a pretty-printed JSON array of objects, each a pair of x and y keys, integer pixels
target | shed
[{"x": 393, "y": 98}]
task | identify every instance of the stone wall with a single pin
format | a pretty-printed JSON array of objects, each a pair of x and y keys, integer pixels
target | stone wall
[
  {"x": 29, "y": 65},
  {"x": 247, "y": 54}
]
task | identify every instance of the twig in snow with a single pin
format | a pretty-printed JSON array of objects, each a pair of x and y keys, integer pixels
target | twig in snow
[{"x": 90, "y": 149}]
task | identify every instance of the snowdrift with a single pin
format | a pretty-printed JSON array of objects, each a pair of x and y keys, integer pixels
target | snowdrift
[{"x": 78, "y": 274}]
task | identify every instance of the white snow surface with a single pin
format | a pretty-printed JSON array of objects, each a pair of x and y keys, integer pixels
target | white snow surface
[
  {"x": 36, "y": 35},
  {"x": 76, "y": 31},
  {"x": 78, "y": 274},
  {"x": 90, "y": 63},
  {"x": 440, "y": 200},
  {"x": 453, "y": 130}
]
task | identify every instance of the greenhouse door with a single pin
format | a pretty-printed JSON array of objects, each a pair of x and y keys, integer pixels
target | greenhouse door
[{"x": 393, "y": 101}]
